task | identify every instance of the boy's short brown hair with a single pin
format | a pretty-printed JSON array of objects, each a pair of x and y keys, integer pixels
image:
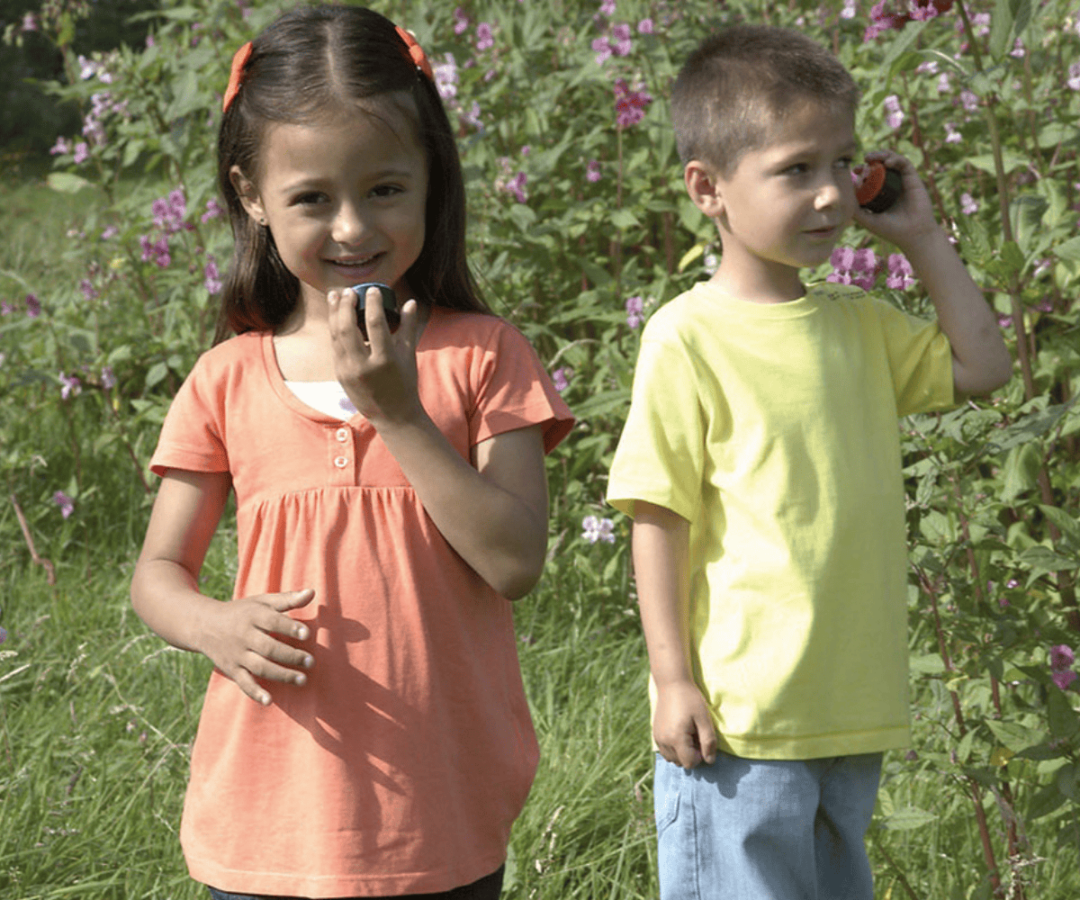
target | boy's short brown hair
[{"x": 741, "y": 82}]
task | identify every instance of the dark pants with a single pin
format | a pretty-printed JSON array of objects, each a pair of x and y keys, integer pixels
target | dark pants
[{"x": 487, "y": 888}]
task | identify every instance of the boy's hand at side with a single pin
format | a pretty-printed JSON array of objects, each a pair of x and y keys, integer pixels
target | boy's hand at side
[
  {"x": 682, "y": 727},
  {"x": 240, "y": 639}
]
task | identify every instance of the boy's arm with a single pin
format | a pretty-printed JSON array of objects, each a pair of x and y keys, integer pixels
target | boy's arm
[
  {"x": 682, "y": 727},
  {"x": 981, "y": 361}
]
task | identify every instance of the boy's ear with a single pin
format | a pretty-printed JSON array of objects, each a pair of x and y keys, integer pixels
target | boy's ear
[
  {"x": 249, "y": 196},
  {"x": 702, "y": 186}
]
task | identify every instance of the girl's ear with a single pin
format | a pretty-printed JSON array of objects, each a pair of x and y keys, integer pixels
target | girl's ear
[
  {"x": 249, "y": 196},
  {"x": 702, "y": 185}
]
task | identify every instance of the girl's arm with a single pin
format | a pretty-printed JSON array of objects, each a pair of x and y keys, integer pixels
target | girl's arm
[
  {"x": 981, "y": 361},
  {"x": 493, "y": 512},
  {"x": 237, "y": 636},
  {"x": 682, "y": 726}
]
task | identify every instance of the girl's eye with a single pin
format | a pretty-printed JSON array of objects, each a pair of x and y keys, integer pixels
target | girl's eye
[
  {"x": 797, "y": 169},
  {"x": 385, "y": 190},
  {"x": 310, "y": 199},
  {"x": 844, "y": 162}
]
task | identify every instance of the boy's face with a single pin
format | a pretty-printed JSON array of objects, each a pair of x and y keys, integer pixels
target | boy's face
[{"x": 786, "y": 204}]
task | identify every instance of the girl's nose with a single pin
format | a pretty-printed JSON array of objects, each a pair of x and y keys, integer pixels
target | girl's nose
[{"x": 349, "y": 224}]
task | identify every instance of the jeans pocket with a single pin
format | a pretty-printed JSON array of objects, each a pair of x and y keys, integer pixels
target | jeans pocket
[{"x": 669, "y": 789}]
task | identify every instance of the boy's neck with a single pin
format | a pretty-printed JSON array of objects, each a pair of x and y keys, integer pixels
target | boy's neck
[{"x": 766, "y": 284}]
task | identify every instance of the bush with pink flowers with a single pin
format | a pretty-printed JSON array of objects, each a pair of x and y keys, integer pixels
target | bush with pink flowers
[{"x": 580, "y": 229}]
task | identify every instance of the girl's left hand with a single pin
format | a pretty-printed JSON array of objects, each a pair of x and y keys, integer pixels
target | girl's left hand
[
  {"x": 912, "y": 217},
  {"x": 379, "y": 375}
]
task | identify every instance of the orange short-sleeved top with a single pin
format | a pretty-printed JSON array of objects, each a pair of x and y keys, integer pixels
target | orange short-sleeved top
[{"x": 401, "y": 765}]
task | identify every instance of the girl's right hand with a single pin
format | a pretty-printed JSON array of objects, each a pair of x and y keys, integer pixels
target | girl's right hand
[{"x": 241, "y": 641}]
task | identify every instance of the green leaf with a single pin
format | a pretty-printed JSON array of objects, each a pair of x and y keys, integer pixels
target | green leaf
[
  {"x": 1069, "y": 249},
  {"x": 66, "y": 182},
  {"x": 908, "y": 818},
  {"x": 1008, "y": 21},
  {"x": 1016, "y": 737},
  {"x": 1064, "y": 720},
  {"x": 624, "y": 218},
  {"x": 930, "y": 664},
  {"x": 1021, "y": 470},
  {"x": 157, "y": 374}
]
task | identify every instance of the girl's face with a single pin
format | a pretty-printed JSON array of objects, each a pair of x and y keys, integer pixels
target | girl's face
[{"x": 344, "y": 200}]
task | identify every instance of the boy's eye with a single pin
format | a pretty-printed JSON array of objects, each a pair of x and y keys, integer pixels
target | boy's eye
[{"x": 797, "y": 169}]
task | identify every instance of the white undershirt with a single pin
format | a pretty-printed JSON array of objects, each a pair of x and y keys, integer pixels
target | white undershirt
[{"x": 327, "y": 397}]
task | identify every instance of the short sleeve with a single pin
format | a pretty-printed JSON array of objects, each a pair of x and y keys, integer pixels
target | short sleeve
[
  {"x": 514, "y": 391},
  {"x": 192, "y": 435},
  {"x": 920, "y": 359},
  {"x": 660, "y": 454}
]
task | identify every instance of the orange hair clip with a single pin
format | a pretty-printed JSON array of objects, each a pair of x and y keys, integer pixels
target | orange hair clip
[
  {"x": 416, "y": 53},
  {"x": 236, "y": 75}
]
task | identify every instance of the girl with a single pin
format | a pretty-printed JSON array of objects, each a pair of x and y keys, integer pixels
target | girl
[{"x": 365, "y": 731}]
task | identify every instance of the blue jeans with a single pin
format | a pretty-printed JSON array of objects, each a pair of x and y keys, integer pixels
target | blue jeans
[
  {"x": 757, "y": 829},
  {"x": 487, "y": 888}
]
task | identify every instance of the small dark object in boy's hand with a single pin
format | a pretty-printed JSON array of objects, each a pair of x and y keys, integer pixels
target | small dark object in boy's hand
[
  {"x": 389, "y": 301},
  {"x": 880, "y": 187}
]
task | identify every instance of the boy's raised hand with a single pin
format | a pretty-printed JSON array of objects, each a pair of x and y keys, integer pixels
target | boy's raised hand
[
  {"x": 912, "y": 216},
  {"x": 242, "y": 641},
  {"x": 682, "y": 726}
]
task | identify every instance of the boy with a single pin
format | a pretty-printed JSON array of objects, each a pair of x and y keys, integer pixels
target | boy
[{"x": 761, "y": 463}]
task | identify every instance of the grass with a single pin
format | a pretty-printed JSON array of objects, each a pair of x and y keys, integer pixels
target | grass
[{"x": 97, "y": 715}]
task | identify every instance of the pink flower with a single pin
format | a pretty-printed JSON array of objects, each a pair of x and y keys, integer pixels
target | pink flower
[
  {"x": 446, "y": 78},
  {"x": 82, "y": 152},
  {"x": 561, "y": 378},
  {"x": 894, "y": 116},
  {"x": 850, "y": 266},
  {"x": 968, "y": 204},
  {"x": 592, "y": 171},
  {"x": 607, "y": 8},
  {"x": 33, "y": 306},
  {"x": 1061, "y": 657},
  {"x": 629, "y": 104},
  {"x": 461, "y": 21},
  {"x": 213, "y": 210},
  {"x": 66, "y": 504},
  {"x": 108, "y": 378},
  {"x": 1073, "y": 81},
  {"x": 635, "y": 312},
  {"x": 516, "y": 186},
  {"x": 900, "y": 276},
  {"x": 623, "y": 44},
  {"x": 596, "y": 529},
  {"x": 61, "y": 147},
  {"x": 70, "y": 386},
  {"x": 952, "y": 136},
  {"x": 603, "y": 49},
  {"x": 213, "y": 277},
  {"x": 1064, "y": 679},
  {"x": 485, "y": 40},
  {"x": 646, "y": 26}
]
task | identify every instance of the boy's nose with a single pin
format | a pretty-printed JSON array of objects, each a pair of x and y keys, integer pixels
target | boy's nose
[{"x": 827, "y": 195}]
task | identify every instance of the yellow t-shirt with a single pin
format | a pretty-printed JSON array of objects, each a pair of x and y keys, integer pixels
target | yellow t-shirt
[{"x": 773, "y": 430}]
